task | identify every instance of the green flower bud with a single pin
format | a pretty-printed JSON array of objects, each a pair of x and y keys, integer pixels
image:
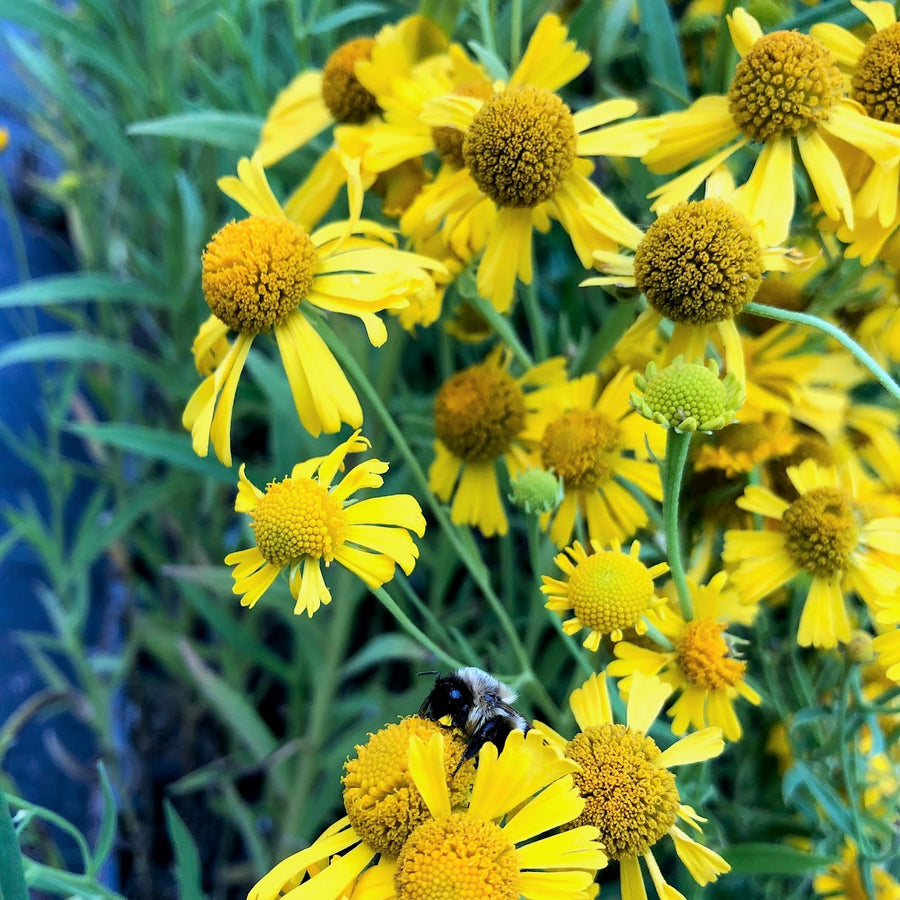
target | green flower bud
[{"x": 536, "y": 491}]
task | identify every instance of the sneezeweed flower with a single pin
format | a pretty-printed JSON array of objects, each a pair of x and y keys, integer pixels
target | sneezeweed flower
[
  {"x": 594, "y": 441},
  {"x": 824, "y": 535},
  {"x": 263, "y": 274},
  {"x": 786, "y": 89},
  {"x": 607, "y": 591},
  {"x": 304, "y": 521},
  {"x": 345, "y": 90},
  {"x": 631, "y": 794},
  {"x": 528, "y": 154},
  {"x": 687, "y": 396},
  {"x": 480, "y": 415},
  {"x": 741, "y": 447},
  {"x": 702, "y": 667},
  {"x": 843, "y": 880},
  {"x": 384, "y": 806}
]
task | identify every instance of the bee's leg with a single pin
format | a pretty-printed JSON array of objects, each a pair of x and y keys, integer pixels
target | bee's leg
[{"x": 494, "y": 731}]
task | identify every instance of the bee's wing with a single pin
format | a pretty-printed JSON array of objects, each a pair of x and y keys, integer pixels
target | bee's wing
[{"x": 514, "y": 714}]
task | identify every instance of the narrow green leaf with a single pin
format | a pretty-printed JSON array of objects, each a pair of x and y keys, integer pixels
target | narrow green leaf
[
  {"x": 663, "y": 54},
  {"x": 187, "y": 857},
  {"x": 234, "y": 131},
  {"x": 494, "y": 65},
  {"x": 352, "y": 13},
  {"x": 382, "y": 649},
  {"x": 800, "y": 775},
  {"x": 12, "y": 875},
  {"x": 773, "y": 859},
  {"x": 82, "y": 286},
  {"x": 107, "y": 836}
]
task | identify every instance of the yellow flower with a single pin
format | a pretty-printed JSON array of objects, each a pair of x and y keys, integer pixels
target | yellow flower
[
  {"x": 741, "y": 447},
  {"x": 842, "y": 881},
  {"x": 528, "y": 154},
  {"x": 887, "y": 644},
  {"x": 263, "y": 273},
  {"x": 593, "y": 440},
  {"x": 786, "y": 88},
  {"x": 607, "y": 591},
  {"x": 303, "y": 521},
  {"x": 702, "y": 666},
  {"x": 480, "y": 415},
  {"x": 384, "y": 806},
  {"x": 345, "y": 90},
  {"x": 630, "y": 793},
  {"x": 823, "y": 534}
]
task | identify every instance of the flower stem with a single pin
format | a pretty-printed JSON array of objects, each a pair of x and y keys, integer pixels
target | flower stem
[
  {"x": 504, "y": 328},
  {"x": 677, "y": 446},
  {"x": 784, "y": 315},
  {"x": 536, "y": 324}
]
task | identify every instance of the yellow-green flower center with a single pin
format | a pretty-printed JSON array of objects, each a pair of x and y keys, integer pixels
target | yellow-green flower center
[
  {"x": 581, "y": 446},
  {"x": 820, "y": 531},
  {"x": 256, "y": 272},
  {"x": 295, "y": 518},
  {"x": 458, "y": 857},
  {"x": 687, "y": 396},
  {"x": 699, "y": 263},
  {"x": 610, "y": 591},
  {"x": 382, "y": 802},
  {"x": 478, "y": 412},
  {"x": 520, "y": 146},
  {"x": 705, "y": 658},
  {"x": 448, "y": 141},
  {"x": 627, "y": 796},
  {"x": 787, "y": 82},
  {"x": 876, "y": 78},
  {"x": 347, "y": 100}
]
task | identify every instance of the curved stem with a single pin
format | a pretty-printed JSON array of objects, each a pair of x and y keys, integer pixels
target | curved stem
[
  {"x": 677, "y": 446},
  {"x": 783, "y": 315}
]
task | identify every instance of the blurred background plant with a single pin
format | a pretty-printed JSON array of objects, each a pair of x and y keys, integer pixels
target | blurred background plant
[{"x": 217, "y": 736}]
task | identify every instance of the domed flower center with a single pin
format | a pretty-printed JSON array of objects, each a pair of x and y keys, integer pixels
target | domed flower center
[
  {"x": 255, "y": 272},
  {"x": 876, "y": 78},
  {"x": 458, "y": 857},
  {"x": 787, "y": 82},
  {"x": 686, "y": 393},
  {"x": 704, "y": 656},
  {"x": 346, "y": 99},
  {"x": 448, "y": 141},
  {"x": 579, "y": 446},
  {"x": 699, "y": 263},
  {"x": 297, "y": 517},
  {"x": 630, "y": 799},
  {"x": 610, "y": 591},
  {"x": 520, "y": 146},
  {"x": 821, "y": 531},
  {"x": 478, "y": 412},
  {"x": 382, "y": 802}
]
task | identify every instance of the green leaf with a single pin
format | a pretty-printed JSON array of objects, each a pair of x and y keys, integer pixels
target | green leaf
[
  {"x": 382, "y": 649},
  {"x": 77, "y": 288},
  {"x": 187, "y": 857},
  {"x": 107, "y": 836},
  {"x": 773, "y": 859},
  {"x": 800, "y": 775},
  {"x": 234, "y": 131},
  {"x": 352, "y": 13},
  {"x": 663, "y": 54},
  {"x": 12, "y": 875},
  {"x": 494, "y": 65}
]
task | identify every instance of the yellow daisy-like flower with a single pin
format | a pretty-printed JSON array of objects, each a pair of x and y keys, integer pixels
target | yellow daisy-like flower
[
  {"x": 303, "y": 521},
  {"x": 824, "y": 535},
  {"x": 842, "y": 881},
  {"x": 526, "y": 152},
  {"x": 786, "y": 89},
  {"x": 629, "y": 791},
  {"x": 741, "y": 447},
  {"x": 262, "y": 274},
  {"x": 701, "y": 667},
  {"x": 592, "y": 439},
  {"x": 346, "y": 89},
  {"x": 480, "y": 415},
  {"x": 384, "y": 806},
  {"x": 607, "y": 591}
]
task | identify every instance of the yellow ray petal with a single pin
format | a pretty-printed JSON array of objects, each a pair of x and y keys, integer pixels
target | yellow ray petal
[
  {"x": 880, "y": 13},
  {"x": 590, "y": 703},
  {"x": 745, "y": 30},
  {"x": 645, "y": 700},
  {"x": 426, "y": 767},
  {"x": 507, "y": 253},
  {"x": 251, "y": 189},
  {"x": 846, "y": 47},
  {"x": 631, "y": 880},
  {"x": 550, "y": 60},
  {"x": 826, "y": 175},
  {"x": 700, "y": 745},
  {"x": 768, "y": 197}
]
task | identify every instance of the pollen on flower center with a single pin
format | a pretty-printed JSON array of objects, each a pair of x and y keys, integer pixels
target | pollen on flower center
[
  {"x": 382, "y": 802},
  {"x": 610, "y": 591},
  {"x": 520, "y": 146},
  {"x": 704, "y": 656},
  {"x": 478, "y": 412},
  {"x": 346, "y": 99},
  {"x": 820, "y": 531},
  {"x": 448, "y": 141},
  {"x": 458, "y": 857},
  {"x": 295, "y": 518},
  {"x": 579, "y": 447},
  {"x": 699, "y": 263},
  {"x": 787, "y": 82},
  {"x": 256, "y": 272},
  {"x": 630, "y": 799},
  {"x": 876, "y": 78}
]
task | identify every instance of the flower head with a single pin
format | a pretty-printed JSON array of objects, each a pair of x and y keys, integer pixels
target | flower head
[
  {"x": 536, "y": 491},
  {"x": 304, "y": 521}
]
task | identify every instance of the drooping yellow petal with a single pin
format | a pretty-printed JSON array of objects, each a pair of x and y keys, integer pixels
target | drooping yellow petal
[
  {"x": 298, "y": 114},
  {"x": 245, "y": 562},
  {"x": 878, "y": 195},
  {"x": 254, "y": 586},
  {"x": 826, "y": 175},
  {"x": 426, "y": 768},
  {"x": 631, "y": 880},
  {"x": 763, "y": 502},
  {"x": 508, "y": 253},
  {"x": 823, "y": 621},
  {"x": 664, "y": 890},
  {"x": 880, "y": 140},
  {"x": 314, "y": 196},
  {"x": 768, "y": 197},
  {"x": 308, "y": 587},
  {"x": 704, "y": 864},
  {"x": 700, "y": 745}
]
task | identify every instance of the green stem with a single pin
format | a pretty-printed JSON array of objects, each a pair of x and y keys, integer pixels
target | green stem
[
  {"x": 784, "y": 315},
  {"x": 677, "y": 446},
  {"x": 503, "y": 327},
  {"x": 657, "y": 636},
  {"x": 535, "y": 319},
  {"x": 486, "y": 18}
]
